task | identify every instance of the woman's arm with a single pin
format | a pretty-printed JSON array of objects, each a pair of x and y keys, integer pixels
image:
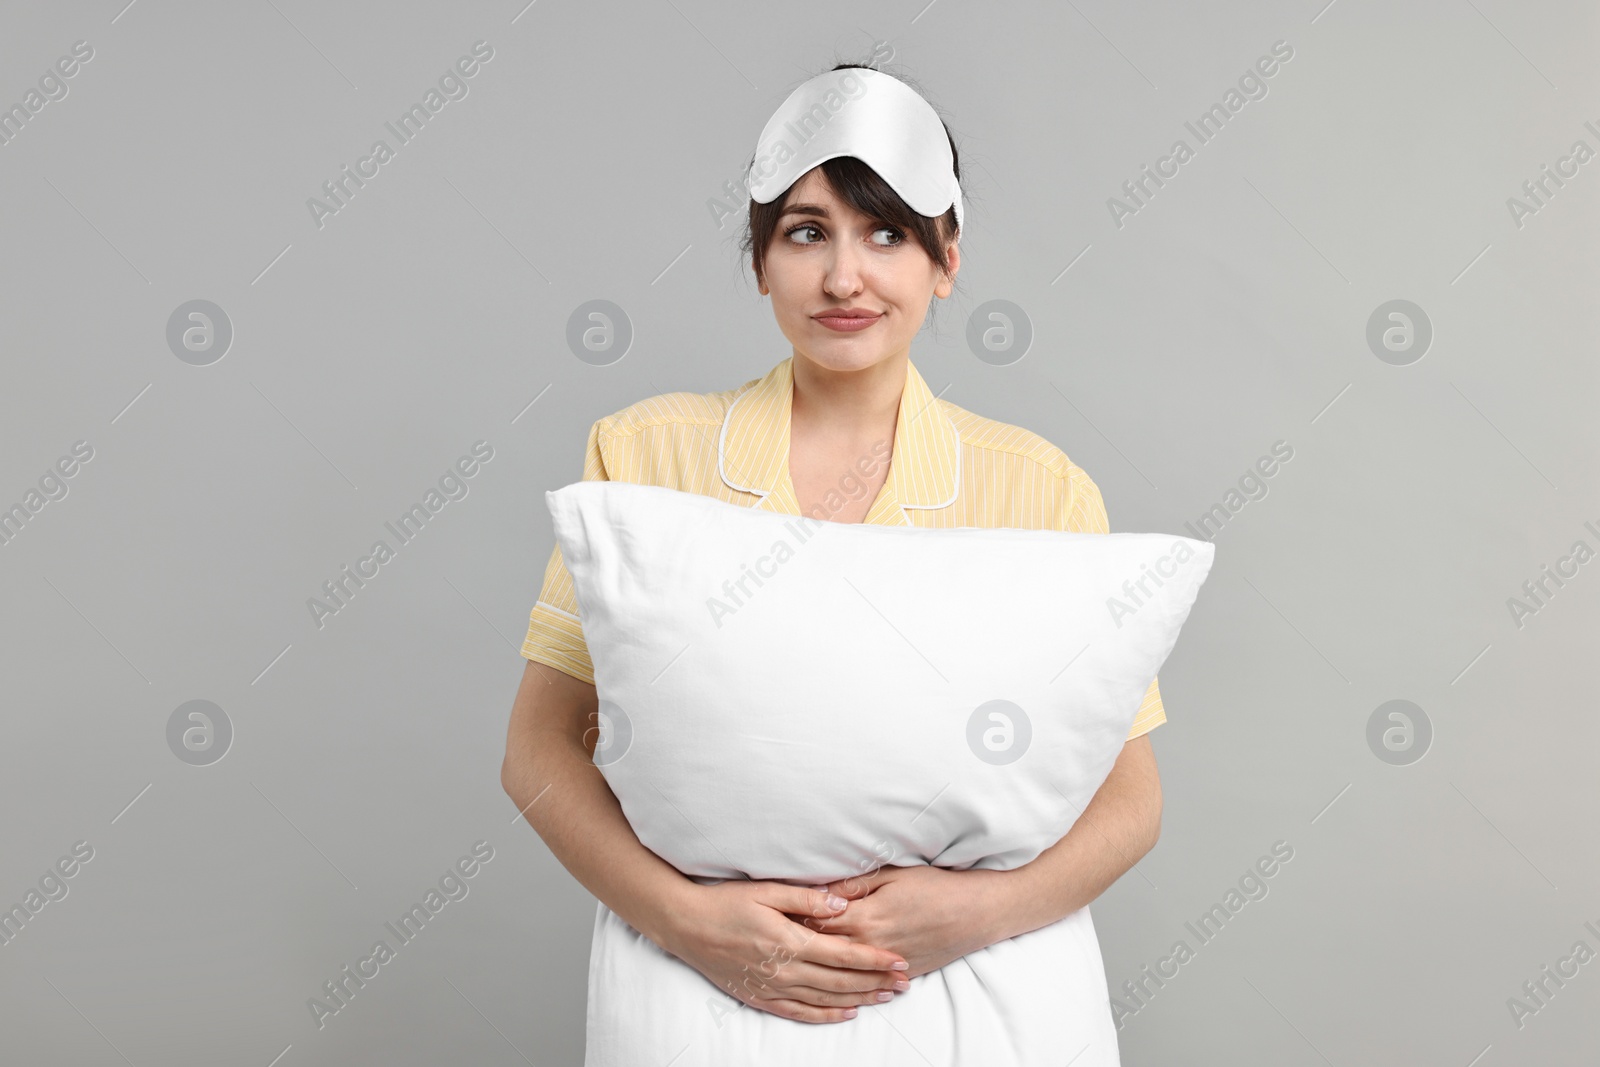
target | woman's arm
[
  {"x": 933, "y": 916},
  {"x": 549, "y": 772},
  {"x": 1120, "y": 825},
  {"x": 738, "y": 934}
]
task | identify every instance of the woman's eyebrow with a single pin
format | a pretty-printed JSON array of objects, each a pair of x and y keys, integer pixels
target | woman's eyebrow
[{"x": 806, "y": 209}]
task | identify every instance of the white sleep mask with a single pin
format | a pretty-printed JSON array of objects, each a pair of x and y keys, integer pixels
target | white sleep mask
[{"x": 870, "y": 115}]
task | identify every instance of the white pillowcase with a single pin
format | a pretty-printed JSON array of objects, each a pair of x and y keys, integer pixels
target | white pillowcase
[
  {"x": 789, "y": 698},
  {"x": 801, "y": 700}
]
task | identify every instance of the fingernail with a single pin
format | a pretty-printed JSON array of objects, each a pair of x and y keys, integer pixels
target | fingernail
[
  {"x": 902, "y": 965},
  {"x": 836, "y": 902},
  {"x": 850, "y": 1013},
  {"x": 901, "y": 985},
  {"x": 884, "y": 994}
]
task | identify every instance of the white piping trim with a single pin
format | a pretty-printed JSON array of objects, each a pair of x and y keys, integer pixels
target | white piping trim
[
  {"x": 955, "y": 492},
  {"x": 722, "y": 438},
  {"x": 555, "y": 610}
]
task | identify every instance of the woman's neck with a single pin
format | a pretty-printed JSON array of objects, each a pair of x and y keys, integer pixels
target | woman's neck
[{"x": 850, "y": 406}]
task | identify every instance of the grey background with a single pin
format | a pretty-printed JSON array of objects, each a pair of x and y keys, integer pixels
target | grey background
[{"x": 368, "y": 355}]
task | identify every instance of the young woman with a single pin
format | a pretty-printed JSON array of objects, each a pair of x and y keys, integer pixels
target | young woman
[{"x": 847, "y": 430}]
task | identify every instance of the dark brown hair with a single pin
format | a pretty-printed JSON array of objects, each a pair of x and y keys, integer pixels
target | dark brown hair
[{"x": 859, "y": 186}]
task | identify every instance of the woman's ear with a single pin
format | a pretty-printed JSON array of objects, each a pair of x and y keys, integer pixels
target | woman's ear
[{"x": 947, "y": 283}]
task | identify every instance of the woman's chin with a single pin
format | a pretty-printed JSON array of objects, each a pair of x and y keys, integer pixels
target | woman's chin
[{"x": 843, "y": 352}]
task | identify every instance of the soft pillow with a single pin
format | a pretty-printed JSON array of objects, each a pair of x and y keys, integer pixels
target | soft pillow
[
  {"x": 801, "y": 700},
  {"x": 789, "y": 698}
]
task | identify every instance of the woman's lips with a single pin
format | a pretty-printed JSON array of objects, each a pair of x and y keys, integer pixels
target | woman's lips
[{"x": 848, "y": 323}]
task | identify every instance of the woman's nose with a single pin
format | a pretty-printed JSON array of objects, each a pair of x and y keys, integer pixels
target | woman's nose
[{"x": 843, "y": 277}]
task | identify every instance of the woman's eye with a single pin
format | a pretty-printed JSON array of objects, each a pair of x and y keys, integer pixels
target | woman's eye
[{"x": 896, "y": 237}]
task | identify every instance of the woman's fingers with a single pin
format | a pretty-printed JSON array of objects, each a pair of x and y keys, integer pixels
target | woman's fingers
[
  {"x": 799, "y": 900},
  {"x": 740, "y": 936},
  {"x": 831, "y": 950},
  {"x": 837, "y": 980},
  {"x": 828, "y": 949},
  {"x": 824, "y": 998},
  {"x": 806, "y": 1013},
  {"x": 810, "y": 1003},
  {"x": 822, "y": 1004}
]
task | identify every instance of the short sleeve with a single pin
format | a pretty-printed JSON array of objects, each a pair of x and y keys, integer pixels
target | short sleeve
[
  {"x": 1085, "y": 512},
  {"x": 555, "y": 635}
]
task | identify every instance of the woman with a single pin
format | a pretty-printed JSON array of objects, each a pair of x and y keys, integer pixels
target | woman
[{"x": 847, "y": 430}]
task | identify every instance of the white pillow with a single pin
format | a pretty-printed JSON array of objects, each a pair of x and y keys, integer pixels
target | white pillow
[{"x": 802, "y": 700}]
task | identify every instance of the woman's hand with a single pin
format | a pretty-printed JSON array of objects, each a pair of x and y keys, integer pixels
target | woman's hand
[
  {"x": 929, "y": 915},
  {"x": 739, "y": 934}
]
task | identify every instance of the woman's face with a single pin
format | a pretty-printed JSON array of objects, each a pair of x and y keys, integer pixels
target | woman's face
[{"x": 826, "y": 257}]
